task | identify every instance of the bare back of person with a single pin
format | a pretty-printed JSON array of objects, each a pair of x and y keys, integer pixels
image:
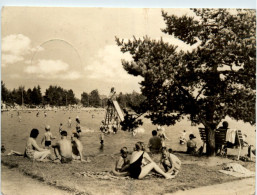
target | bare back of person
[
  {"x": 48, "y": 136},
  {"x": 65, "y": 148}
]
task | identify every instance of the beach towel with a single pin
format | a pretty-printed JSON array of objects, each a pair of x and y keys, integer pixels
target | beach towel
[
  {"x": 231, "y": 135},
  {"x": 108, "y": 175},
  {"x": 236, "y": 170}
]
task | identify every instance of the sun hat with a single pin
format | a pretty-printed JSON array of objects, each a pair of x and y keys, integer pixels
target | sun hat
[{"x": 47, "y": 127}]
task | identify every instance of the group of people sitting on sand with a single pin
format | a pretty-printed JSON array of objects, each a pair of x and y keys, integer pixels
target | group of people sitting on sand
[
  {"x": 141, "y": 164},
  {"x": 65, "y": 150},
  {"x": 157, "y": 141}
]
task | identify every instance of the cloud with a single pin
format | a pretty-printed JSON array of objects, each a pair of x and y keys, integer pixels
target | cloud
[
  {"x": 17, "y": 44},
  {"x": 107, "y": 65},
  {"x": 15, "y": 47},
  {"x": 181, "y": 45},
  {"x": 37, "y": 49},
  {"x": 72, "y": 75},
  {"x": 52, "y": 69},
  {"x": 10, "y": 59},
  {"x": 47, "y": 67}
]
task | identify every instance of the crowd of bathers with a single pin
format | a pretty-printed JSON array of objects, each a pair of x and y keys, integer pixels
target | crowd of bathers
[
  {"x": 141, "y": 162},
  {"x": 138, "y": 166},
  {"x": 65, "y": 150}
]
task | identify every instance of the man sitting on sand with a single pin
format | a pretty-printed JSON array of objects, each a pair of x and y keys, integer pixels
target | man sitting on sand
[
  {"x": 63, "y": 148},
  {"x": 155, "y": 143},
  {"x": 77, "y": 148},
  {"x": 122, "y": 163},
  {"x": 169, "y": 161},
  {"x": 191, "y": 145}
]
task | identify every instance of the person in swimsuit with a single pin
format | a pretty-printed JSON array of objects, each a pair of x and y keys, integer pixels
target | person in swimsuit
[
  {"x": 161, "y": 134},
  {"x": 63, "y": 148},
  {"x": 77, "y": 148},
  {"x": 47, "y": 139},
  {"x": 122, "y": 162},
  {"x": 69, "y": 122},
  {"x": 169, "y": 161},
  {"x": 60, "y": 128},
  {"x": 32, "y": 150},
  {"x": 78, "y": 128},
  {"x": 139, "y": 168}
]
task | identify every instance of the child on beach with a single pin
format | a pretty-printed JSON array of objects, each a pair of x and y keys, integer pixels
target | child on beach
[
  {"x": 69, "y": 122},
  {"x": 169, "y": 161},
  {"x": 122, "y": 163},
  {"x": 47, "y": 137},
  {"x": 77, "y": 119},
  {"x": 60, "y": 128},
  {"x": 182, "y": 138},
  {"x": 162, "y": 135},
  {"x": 78, "y": 128},
  {"x": 101, "y": 137}
]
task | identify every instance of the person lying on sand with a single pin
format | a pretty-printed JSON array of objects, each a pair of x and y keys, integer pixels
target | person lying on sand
[
  {"x": 63, "y": 149},
  {"x": 32, "y": 150},
  {"x": 169, "y": 161},
  {"x": 141, "y": 164},
  {"x": 77, "y": 148}
]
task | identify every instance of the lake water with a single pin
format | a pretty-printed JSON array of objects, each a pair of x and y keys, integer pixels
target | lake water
[{"x": 14, "y": 133}]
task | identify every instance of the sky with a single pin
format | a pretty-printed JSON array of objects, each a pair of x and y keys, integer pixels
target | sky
[{"x": 75, "y": 47}]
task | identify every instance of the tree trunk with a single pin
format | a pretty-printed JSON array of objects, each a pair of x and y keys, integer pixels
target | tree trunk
[{"x": 210, "y": 141}]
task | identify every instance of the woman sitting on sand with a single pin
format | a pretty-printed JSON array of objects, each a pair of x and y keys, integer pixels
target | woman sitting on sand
[
  {"x": 138, "y": 167},
  {"x": 32, "y": 150}
]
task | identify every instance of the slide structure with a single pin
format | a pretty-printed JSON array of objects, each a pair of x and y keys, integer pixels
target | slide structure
[{"x": 118, "y": 110}]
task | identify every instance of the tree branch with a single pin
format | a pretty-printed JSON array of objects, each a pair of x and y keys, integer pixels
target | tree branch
[{"x": 200, "y": 92}]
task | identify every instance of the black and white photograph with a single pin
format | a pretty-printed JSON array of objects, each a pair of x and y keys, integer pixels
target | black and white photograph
[{"x": 133, "y": 101}]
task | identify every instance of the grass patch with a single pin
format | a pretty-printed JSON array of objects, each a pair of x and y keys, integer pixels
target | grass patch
[
  {"x": 193, "y": 174},
  {"x": 195, "y": 171}
]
